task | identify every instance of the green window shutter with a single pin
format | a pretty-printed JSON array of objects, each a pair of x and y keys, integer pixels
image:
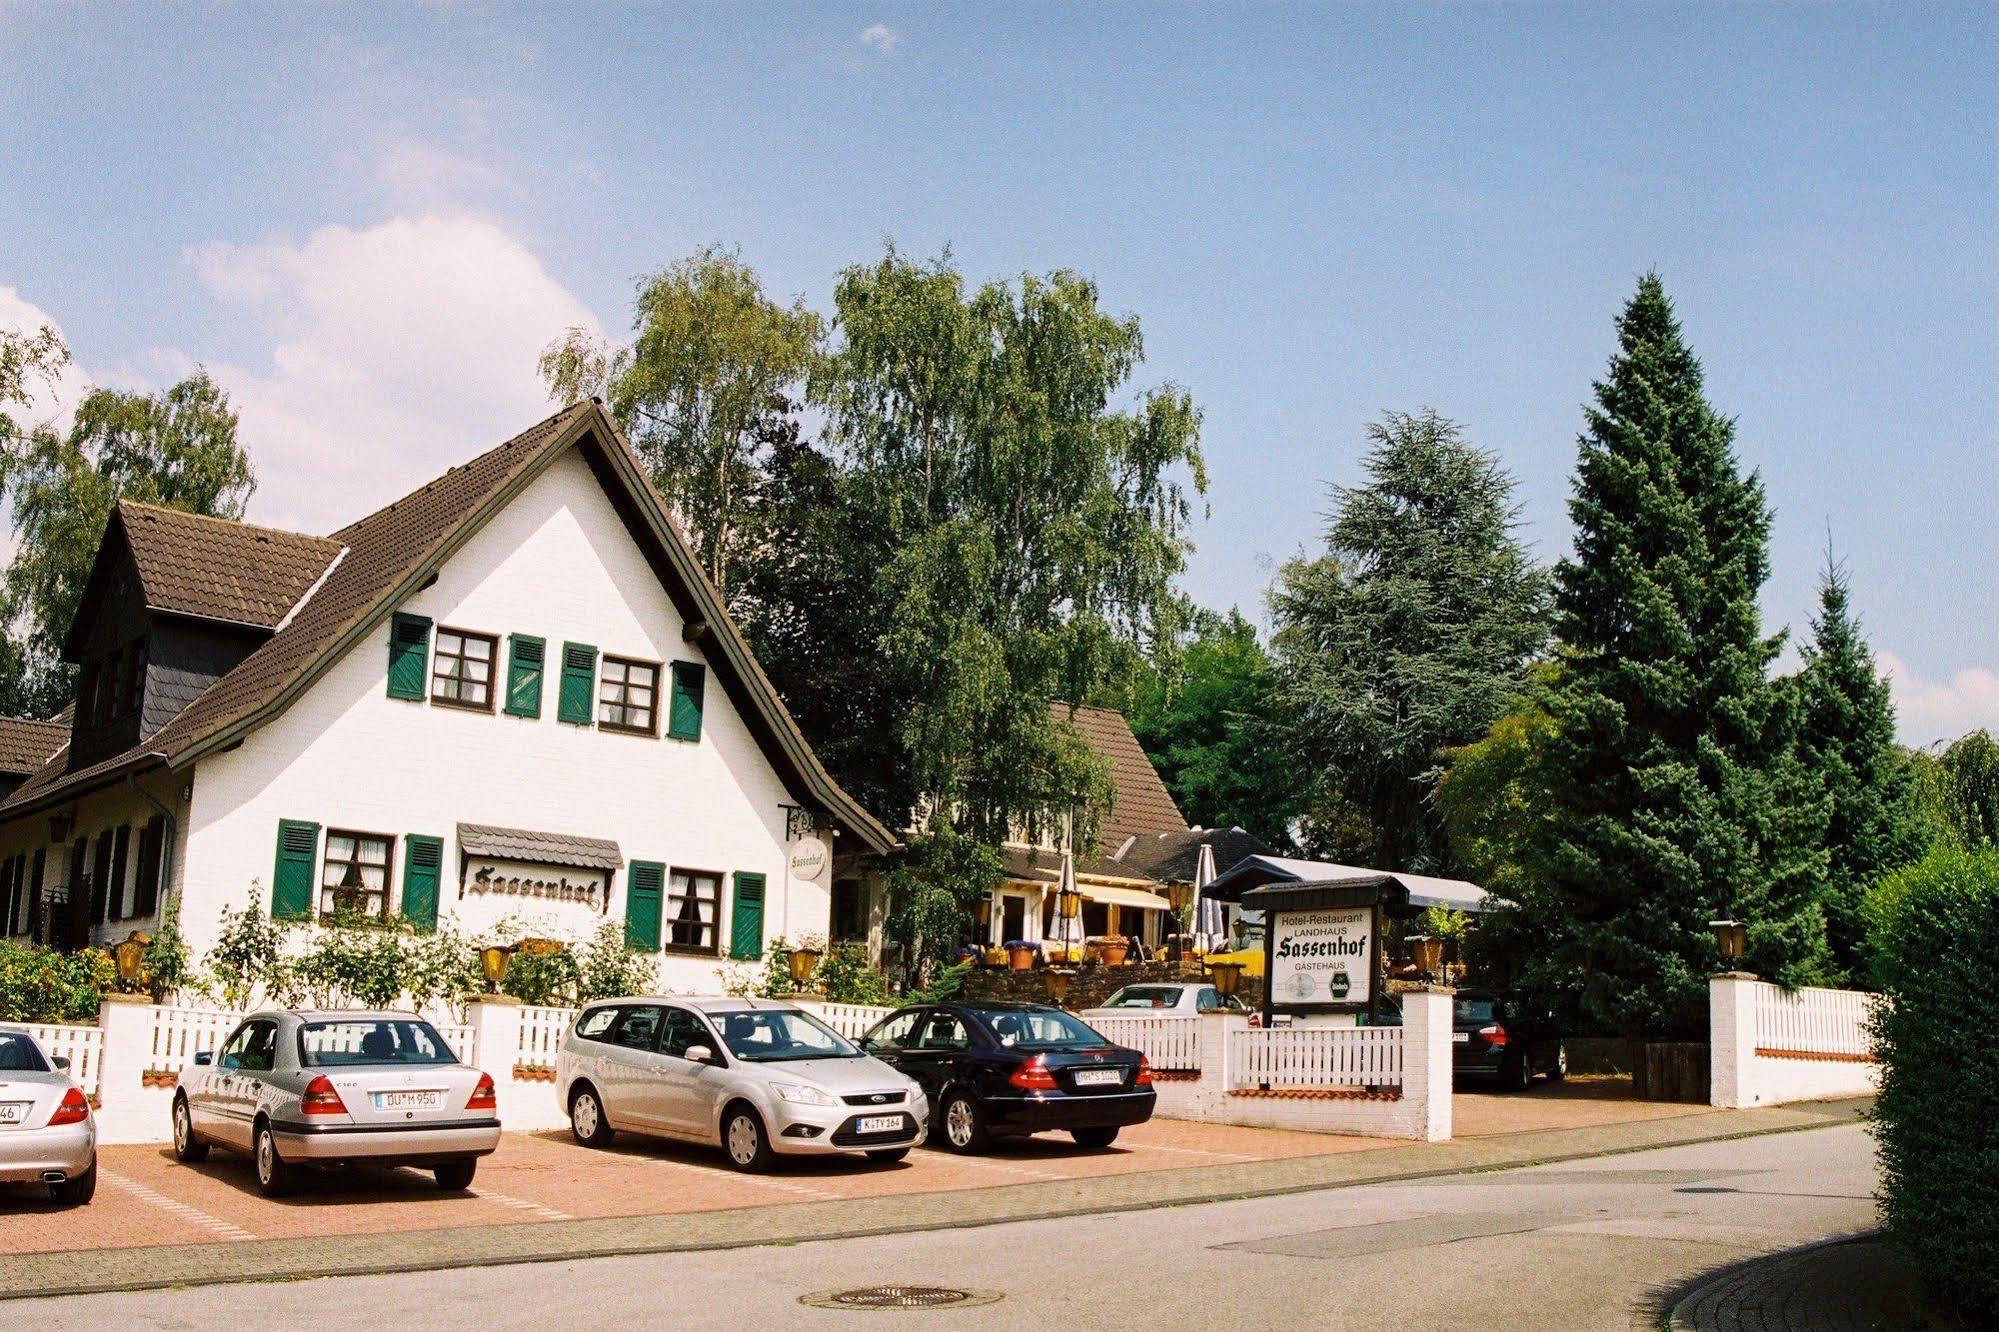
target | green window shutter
[
  {"x": 642, "y": 906},
  {"x": 684, "y": 719},
  {"x": 423, "y": 865},
  {"x": 746, "y": 922},
  {"x": 291, "y": 882},
  {"x": 525, "y": 655},
  {"x": 579, "y": 684},
  {"x": 409, "y": 655}
]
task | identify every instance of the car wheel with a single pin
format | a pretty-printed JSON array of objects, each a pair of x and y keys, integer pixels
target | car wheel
[
  {"x": 77, "y": 1189},
  {"x": 1094, "y": 1138},
  {"x": 1516, "y": 1074},
  {"x": 888, "y": 1155},
  {"x": 586, "y": 1118},
  {"x": 187, "y": 1147},
  {"x": 456, "y": 1176},
  {"x": 744, "y": 1142},
  {"x": 964, "y": 1126},
  {"x": 274, "y": 1177},
  {"x": 1561, "y": 1068}
]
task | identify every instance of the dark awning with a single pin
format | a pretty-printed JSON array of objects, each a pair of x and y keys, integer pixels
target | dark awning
[
  {"x": 1418, "y": 891},
  {"x": 538, "y": 848}
]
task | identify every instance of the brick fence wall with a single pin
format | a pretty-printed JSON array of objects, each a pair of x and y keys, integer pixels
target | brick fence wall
[{"x": 1089, "y": 986}]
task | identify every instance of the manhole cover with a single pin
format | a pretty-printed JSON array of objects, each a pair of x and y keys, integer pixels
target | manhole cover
[{"x": 898, "y": 1297}]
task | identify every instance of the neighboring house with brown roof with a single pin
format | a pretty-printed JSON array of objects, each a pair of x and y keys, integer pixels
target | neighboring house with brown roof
[{"x": 511, "y": 693}]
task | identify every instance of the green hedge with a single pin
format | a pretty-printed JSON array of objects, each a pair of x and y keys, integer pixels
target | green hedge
[
  {"x": 1936, "y": 941},
  {"x": 42, "y": 985}
]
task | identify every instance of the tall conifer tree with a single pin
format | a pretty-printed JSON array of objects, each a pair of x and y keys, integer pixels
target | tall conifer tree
[{"x": 1670, "y": 769}]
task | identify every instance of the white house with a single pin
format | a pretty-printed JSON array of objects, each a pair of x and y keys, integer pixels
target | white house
[{"x": 511, "y": 693}]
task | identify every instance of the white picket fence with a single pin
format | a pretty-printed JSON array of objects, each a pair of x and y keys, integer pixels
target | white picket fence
[
  {"x": 1169, "y": 1044},
  {"x": 1813, "y": 1021},
  {"x": 542, "y": 1031},
  {"x": 1314, "y": 1057},
  {"x": 850, "y": 1020},
  {"x": 179, "y": 1034},
  {"x": 82, "y": 1046}
]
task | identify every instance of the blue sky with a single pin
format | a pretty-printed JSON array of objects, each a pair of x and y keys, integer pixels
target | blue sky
[{"x": 366, "y": 221}]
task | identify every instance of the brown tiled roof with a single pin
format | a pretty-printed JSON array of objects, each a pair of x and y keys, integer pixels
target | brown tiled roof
[
  {"x": 538, "y": 848},
  {"x": 387, "y": 555},
  {"x": 1140, "y": 805},
  {"x": 1175, "y": 857},
  {"x": 25, "y": 745},
  {"x": 218, "y": 569},
  {"x": 1034, "y": 864}
]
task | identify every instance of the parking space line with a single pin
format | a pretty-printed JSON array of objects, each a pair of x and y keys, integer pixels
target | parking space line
[
  {"x": 1008, "y": 1167},
  {"x": 714, "y": 1175},
  {"x": 1193, "y": 1151},
  {"x": 522, "y": 1205},
  {"x": 228, "y": 1230}
]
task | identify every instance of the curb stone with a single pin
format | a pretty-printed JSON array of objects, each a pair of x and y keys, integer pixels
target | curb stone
[{"x": 94, "y": 1271}]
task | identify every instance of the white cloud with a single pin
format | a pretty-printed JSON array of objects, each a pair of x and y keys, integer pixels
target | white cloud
[
  {"x": 398, "y": 351},
  {"x": 425, "y": 175},
  {"x": 882, "y": 37},
  {"x": 47, "y": 402},
  {"x": 1931, "y": 710}
]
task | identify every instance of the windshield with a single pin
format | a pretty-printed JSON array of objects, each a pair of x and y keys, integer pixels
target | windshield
[
  {"x": 18, "y": 1054},
  {"x": 372, "y": 1041},
  {"x": 1145, "y": 996},
  {"x": 770, "y": 1036},
  {"x": 1038, "y": 1029}
]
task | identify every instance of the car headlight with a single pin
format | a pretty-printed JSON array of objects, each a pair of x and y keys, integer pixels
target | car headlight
[{"x": 800, "y": 1094}]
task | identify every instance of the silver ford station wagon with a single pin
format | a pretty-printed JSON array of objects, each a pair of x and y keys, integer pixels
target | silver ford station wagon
[
  {"x": 757, "y": 1077},
  {"x": 321, "y": 1089}
]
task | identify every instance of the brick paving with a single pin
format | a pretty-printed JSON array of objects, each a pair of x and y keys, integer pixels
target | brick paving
[
  {"x": 156, "y": 1221},
  {"x": 1851, "y": 1285}
]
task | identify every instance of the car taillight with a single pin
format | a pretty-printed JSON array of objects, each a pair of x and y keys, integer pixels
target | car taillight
[
  {"x": 483, "y": 1097},
  {"x": 1494, "y": 1036},
  {"x": 73, "y": 1110},
  {"x": 319, "y": 1098},
  {"x": 1144, "y": 1078},
  {"x": 1033, "y": 1076}
]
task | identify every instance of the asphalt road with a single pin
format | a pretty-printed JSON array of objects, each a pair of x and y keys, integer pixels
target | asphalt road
[{"x": 1587, "y": 1244}]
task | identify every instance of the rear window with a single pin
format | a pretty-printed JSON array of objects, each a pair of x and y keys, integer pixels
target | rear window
[
  {"x": 19, "y": 1054},
  {"x": 1038, "y": 1029},
  {"x": 1145, "y": 996},
  {"x": 371, "y": 1041},
  {"x": 1475, "y": 1010}
]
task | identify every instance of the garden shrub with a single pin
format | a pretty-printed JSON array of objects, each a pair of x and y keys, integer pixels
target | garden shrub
[
  {"x": 1936, "y": 945},
  {"x": 44, "y": 985},
  {"x": 846, "y": 976}
]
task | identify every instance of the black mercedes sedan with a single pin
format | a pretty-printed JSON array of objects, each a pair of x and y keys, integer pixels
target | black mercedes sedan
[{"x": 1000, "y": 1070}]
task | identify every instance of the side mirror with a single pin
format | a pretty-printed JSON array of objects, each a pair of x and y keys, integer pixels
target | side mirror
[
  {"x": 701, "y": 1054},
  {"x": 62, "y": 1063},
  {"x": 205, "y": 1058}
]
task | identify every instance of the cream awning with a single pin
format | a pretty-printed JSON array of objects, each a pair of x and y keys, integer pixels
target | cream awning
[{"x": 1124, "y": 897}]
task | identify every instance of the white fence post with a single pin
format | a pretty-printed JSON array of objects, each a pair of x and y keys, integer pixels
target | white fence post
[
  {"x": 495, "y": 1020},
  {"x": 122, "y": 1106},
  {"x": 1426, "y": 1059},
  {"x": 1731, "y": 1019}
]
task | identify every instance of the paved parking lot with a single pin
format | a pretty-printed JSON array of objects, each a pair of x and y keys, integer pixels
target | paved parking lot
[{"x": 145, "y": 1197}]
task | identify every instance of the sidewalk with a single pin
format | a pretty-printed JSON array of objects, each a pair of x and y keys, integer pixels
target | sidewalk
[{"x": 81, "y": 1271}]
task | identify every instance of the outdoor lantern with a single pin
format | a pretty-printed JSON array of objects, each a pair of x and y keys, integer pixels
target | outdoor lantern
[
  {"x": 60, "y": 825},
  {"x": 1427, "y": 952},
  {"x": 982, "y": 911},
  {"x": 1056, "y": 981},
  {"x": 803, "y": 962},
  {"x": 1227, "y": 977},
  {"x": 1732, "y": 937},
  {"x": 129, "y": 956},
  {"x": 1069, "y": 903},
  {"x": 493, "y": 961}
]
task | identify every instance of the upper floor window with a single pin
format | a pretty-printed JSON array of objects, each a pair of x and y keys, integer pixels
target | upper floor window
[
  {"x": 135, "y": 676},
  {"x": 628, "y": 696},
  {"x": 356, "y": 873},
  {"x": 461, "y": 669}
]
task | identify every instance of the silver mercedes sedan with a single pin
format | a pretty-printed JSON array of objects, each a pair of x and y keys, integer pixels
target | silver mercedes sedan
[
  {"x": 296, "y": 1090},
  {"x": 47, "y": 1134},
  {"x": 758, "y": 1077}
]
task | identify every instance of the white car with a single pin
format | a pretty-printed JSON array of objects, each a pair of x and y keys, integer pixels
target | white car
[
  {"x": 1166, "y": 999},
  {"x": 47, "y": 1134},
  {"x": 754, "y": 1076},
  {"x": 294, "y": 1090}
]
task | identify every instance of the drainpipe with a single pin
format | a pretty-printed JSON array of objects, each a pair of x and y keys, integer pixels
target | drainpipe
[{"x": 166, "y": 838}]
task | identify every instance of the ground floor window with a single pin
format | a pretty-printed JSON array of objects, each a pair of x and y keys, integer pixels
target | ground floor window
[
  {"x": 849, "y": 922},
  {"x": 355, "y": 877},
  {"x": 692, "y": 900}
]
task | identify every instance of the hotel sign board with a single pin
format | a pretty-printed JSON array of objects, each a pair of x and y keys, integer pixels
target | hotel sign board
[
  {"x": 486, "y": 876},
  {"x": 1321, "y": 948}
]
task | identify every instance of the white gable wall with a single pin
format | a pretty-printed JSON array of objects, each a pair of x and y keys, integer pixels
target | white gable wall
[{"x": 557, "y": 563}]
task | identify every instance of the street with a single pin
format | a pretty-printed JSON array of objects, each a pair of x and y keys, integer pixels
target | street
[{"x": 1586, "y": 1244}]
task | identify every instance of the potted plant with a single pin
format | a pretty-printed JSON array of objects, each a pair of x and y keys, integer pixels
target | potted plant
[
  {"x": 995, "y": 957},
  {"x": 1112, "y": 950},
  {"x": 1020, "y": 954}
]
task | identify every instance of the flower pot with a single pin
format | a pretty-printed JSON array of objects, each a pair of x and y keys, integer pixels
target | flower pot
[
  {"x": 1020, "y": 959},
  {"x": 995, "y": 957},
  {"x": 1113, "y": 952}
]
